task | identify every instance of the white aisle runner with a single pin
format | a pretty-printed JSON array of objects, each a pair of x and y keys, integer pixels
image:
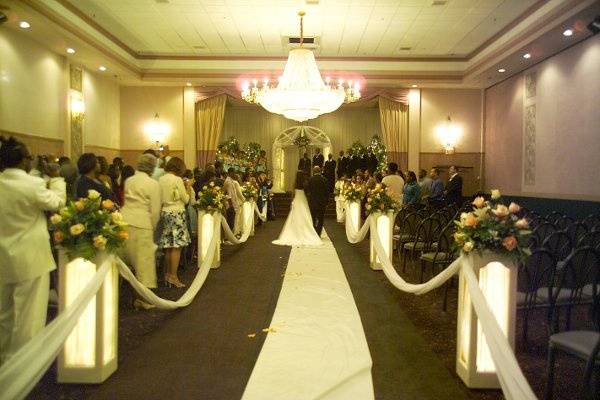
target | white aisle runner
[{"x": 317, "y": 347}]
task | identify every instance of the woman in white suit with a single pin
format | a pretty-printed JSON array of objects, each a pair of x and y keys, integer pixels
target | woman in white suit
[{"x": 25, "y": 255}]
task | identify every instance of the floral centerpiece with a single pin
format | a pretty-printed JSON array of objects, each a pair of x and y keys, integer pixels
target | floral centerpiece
[
  {"x": 379, "y": 199},
  {"x": 211, "y": 198},
  {"x": 88, "y": 225},
  {"x": 249, "y": 191},
  {"x": 353, "y": 192},
  {"x": 493, "y": 226},
  {"x": 339, "y": 188}
]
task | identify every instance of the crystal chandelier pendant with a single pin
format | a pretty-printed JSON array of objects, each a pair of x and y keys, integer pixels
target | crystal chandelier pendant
[{"x": 301, "y": 93}]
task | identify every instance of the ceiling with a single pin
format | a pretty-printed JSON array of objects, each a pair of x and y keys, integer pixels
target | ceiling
[
  {"x": 454, "y": 28},
  {"x": 460, "y": 44}
]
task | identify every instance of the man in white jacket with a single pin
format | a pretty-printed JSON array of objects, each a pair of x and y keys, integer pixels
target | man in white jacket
[{"x": 25, "y": 255}]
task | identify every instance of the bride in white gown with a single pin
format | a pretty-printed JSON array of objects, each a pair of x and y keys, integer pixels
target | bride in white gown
[{"x": 298, "y": 229}]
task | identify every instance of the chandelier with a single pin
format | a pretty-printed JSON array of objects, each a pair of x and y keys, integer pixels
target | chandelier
[{"x": 300, "y": 93}]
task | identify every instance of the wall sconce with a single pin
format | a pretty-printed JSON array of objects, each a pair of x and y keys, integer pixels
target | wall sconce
[
  {"x": 156, "y": 130},
  {"x": 448, "y": 134},
  {"x": 77, "y": 107}
]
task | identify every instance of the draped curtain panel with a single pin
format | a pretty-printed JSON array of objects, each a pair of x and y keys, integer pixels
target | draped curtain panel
[
  {"x": 394, "y": 128},
  {"x": 210, "y": 114}
]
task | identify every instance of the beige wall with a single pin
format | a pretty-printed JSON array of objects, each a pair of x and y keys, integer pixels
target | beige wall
[
  {"x": 102, "y": 111},
  {"x": 33, "y": 87},
  {"x": 464, "y": 108},
  {"x": 565, "y": 152},
  {"x": 138, "y": 106}
]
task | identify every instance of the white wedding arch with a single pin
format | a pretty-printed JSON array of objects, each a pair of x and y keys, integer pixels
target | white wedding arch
[{"x": 285, "y": 159}]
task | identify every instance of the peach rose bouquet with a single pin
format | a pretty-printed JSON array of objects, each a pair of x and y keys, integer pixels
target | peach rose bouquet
[
  {"x": 493, "y": 226},
  {"x": 379, "y": 199},
  {"x": 89, "y": 225}
]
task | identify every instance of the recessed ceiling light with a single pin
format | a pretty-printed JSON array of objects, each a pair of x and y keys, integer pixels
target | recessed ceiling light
[
  {"x": 413, "y": 85},
  {"x": 102, "y": 68},
  {"x": 188, "y": 84},
  {"x": 526, "y": 55},
  {"x": 70, "y": 50},
  {"x": 501, "y": 70},
  {"x": 24, "y": 25},
  {"x": 568, "y": 32}
]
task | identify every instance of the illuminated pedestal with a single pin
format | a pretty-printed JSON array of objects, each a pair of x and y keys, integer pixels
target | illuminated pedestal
[
  {"x": 384, "y": 223},
  {"x": 498, "y": 281},
  {"x": 248, "y": 217},
  {"x": 90, "y": 352},
  {"x": 206, "y": 229},
  {"x": 353, "y": 212}
]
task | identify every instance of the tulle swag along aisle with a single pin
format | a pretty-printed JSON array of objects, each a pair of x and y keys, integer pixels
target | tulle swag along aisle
[{"x": 491, "y": 228}]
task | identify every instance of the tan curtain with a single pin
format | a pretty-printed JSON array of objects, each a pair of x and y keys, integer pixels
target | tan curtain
[
  {"x": 394, "y": 129},
  {"x": 210, "y": 114}
]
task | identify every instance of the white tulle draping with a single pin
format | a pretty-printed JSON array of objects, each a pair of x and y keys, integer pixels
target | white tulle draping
[
  {"x": 22, "y": 372},
  {"x": 261, "y": 214},
  {"x": 513, "y": 382},
  {"x": 189, "y": 294},
  {"x": 353, "y": 233},
  {"x": 245, "y": 234},
  {"x": 340, "y": 210}
]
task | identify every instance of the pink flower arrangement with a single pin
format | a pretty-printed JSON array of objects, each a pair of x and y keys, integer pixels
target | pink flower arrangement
[{"x": 494, "y": 227}]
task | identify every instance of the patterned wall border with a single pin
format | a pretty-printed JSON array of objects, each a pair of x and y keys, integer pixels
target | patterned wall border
[{"x": 529, "y": 128}]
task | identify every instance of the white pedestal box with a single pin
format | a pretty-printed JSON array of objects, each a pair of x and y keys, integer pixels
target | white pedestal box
[
  {"x": 384, "y": 223},
  {"x": 497, "y": 277},
  {"x": 353, "y": 212},
  {"x": 89, "y": 354},
  {"x": 206, "y": 229},
  {"x": 248, "y": 217}
]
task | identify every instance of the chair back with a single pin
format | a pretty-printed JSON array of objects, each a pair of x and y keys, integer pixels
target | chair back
[
  {"x": 427, "y": 231},
  {"x": 592, "y": 221},
  {"x": 559, "y": 244},
  {"x": 564, "y": 222},
  {"x": 591, "y": 239},
  {"x": 542, "y": 231},
  {"x": 410, "y": 223},
  {"x": 555, "y": 216},
  {"x": 576, "y": 231},
  {"x": 536, "y": 273}
]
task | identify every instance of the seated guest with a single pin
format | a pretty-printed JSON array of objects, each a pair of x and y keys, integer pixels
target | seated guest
[
  {"x": 142, "y": 212},
  {"x": 25, "y": 254},
  {"x": 412, "y": 191},
  {"x": 436, "y": 194},
  {"x": 175, "y": 194},
  {"x": 453, "y": 190},
  {"x": 394, "y": 182},
  {"x": 88, "y": 170}
]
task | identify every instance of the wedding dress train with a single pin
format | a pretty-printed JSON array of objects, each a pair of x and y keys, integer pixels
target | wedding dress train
[{"x": 298, "y": 229}]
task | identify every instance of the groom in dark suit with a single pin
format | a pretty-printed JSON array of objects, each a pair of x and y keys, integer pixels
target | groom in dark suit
[{"x": 317, "y": 198}]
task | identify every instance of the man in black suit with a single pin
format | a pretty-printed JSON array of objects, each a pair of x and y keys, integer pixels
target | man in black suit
[
  {"x": 372, "y": 163},
  {"x": 453, "y": 190},
  {"x": 318, "y": 159},
  {"x": 304, "y": 164},
  {"x": 329, "y": 172},
  {"x": 354, "y": 164},
  {"x": 342, "y": 165},
  {"x": 317, "y": 198}
]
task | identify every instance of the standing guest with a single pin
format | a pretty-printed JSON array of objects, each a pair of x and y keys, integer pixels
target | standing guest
[
  {"x": 114, "y": 174},
  {"x": 237, "y": 228},
  {"x": 142, "y": 212},
  {"x": 318, "y": 159},
  {"x": 88, "y": 179},
  {"x": 412, "y": 190},
  {"x": 364, "y": 162},
  {"x": 372, "y": 162},
  {"x": 127, "y": 172},
  {"x": 304, "y": 164},
  {"x": 342, "y": 165},
  {"x": 329, "y": 172},
  {"x": 436, "y": 194},
  {"x": 198, "y": 179},
  {"x": 175, "y": 194},
  {"x": 425, "y": 183},
  {"x": 102, "y": 173},
  {"x": 165, "y": 153},
  {"x": 394, "y": 182},
  {"x": 453, "y": 190},
  {"x": 159, "y": 171},
  {"x": 236, "y": 198},
  {"x": 68, "y": 170},
  {"x": 25, "y": 255}
]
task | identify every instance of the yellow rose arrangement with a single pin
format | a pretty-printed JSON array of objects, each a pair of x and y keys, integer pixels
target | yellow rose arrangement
[
  {"x": 493, "y": 226},
  {"x": 353, "y": 192},
  {"x": 249, "y": 191},
  {"x": 211, "y": 198},
  {"x": 89, "y": 225},
  {"x": 380, "y": 200}
]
